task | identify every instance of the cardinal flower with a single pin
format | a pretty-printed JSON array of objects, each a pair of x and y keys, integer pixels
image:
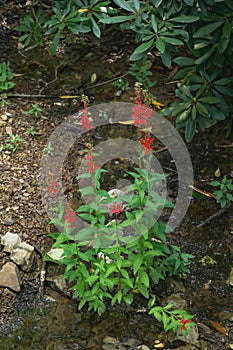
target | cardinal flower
[
  {"x": 70, "y": 217},
  {"x": 54, "y": 188},
  {"x": 116, "y": 208},
  {"x": 146, "y": 144},
  {"x": 183, "y": 322}
]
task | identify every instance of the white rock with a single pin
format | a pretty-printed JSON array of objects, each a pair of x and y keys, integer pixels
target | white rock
[{"x": 10, "y": 241}]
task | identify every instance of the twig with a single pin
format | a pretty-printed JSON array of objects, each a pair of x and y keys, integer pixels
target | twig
[
  {"x": 63, "y": 97},
  {"x": 42, "y": 271},
  {"x": 42, "y": 279},
  {"x": 219, "y": 212}
]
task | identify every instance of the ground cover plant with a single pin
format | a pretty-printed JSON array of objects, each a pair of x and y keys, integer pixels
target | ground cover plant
[
  {"x": 123, "y": 251},
  {"x": 201, "y": 28}
]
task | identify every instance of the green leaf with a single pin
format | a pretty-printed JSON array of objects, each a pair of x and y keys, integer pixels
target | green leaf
[
  {"x": 124, "y": 5},
  {"x": 55, "y": 43},
  {"x": 144, "y": 47},
  {"x": 205, "y": 57},
  {"x": 116, "y": 19},
  {"x": 189, "y": 2},
  {"x": 223, "y": 81},
  {"x": 183, "y": 116},
  {"x": 128, "y": 298},
  {"x": 143, "y": 290},
  {"x": 202, "y": 109},
  {"x": 172, "y": 41},
  {"x": 95, "y": 28},
  {"x": 190, "y": 129},
  {"x": 211, "y": 99},
  {"x": 137, "y": 263},
  {"x": 154, "y": 24},
  {"x": 160, "y": 45},
  {"x": 206, "y": 30},
  {"x": 185, "y": 19},
  {"x": 144, "y": 278},
  {"x": 184, "y": 61}
]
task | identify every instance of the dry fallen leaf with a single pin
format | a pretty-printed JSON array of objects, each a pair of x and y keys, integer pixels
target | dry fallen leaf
[
  {"x": 217, "y": 172},
  {"x": 157, "y": 104},
  {"x": 205, "y": 193},
  {"x": 218, "y": 327},
  {"x": 68, "y": 96},
  {"x": 93, "y": 78},
  {"x": 127, "y": 122}
]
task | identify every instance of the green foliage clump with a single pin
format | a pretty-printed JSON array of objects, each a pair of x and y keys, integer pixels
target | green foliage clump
[
  {"x": 6, "y": 75},
  {"x": 223, "y": 194},
  {"x": 203, "y": 28}
]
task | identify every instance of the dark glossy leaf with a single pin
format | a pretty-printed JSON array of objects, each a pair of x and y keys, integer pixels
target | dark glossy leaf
[
  {"x": 204, "y": 57},
  {"x": 144, "y": 47},
  {"x": 210, "y": 99},
  {"x": 116, "y": 19},
  {"x": 183, "y": 116},
  {"x": 202, "y": 109},
  {"x": 172, "y": 41},
  {"x": 160, "y": 45},
  {"x": 55, "y": 43},
  {"x": 223, "y": 44},
  {"x": 124, "y": 5},
  {"x": 190, "y": 129},
  {"x": 184, "y": 61},
  {"x": 154, "y": 24},
  {"x": 185, "y": 19},
  {"x": 189, "y": 2},
  {"x": 207, "y": 29},
  {"x": 166, "y": 59},
  {"x": 95, "y": 28}
]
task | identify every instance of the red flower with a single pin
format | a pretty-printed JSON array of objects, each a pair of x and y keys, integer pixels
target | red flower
[
  {"x": 54, "y": 188},
  {"x": 141, "y": 113},
  {"x": 146, "y": 143},
  {"x": 85, "y": 120},
  {"x": 183, "y": 322},
  {"x": 90, "y": 162},
  {"x": 116, "y": 208},
  {"x": 70, "y": 217}
]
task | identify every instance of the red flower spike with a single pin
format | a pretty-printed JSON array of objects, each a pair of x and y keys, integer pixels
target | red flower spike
[
  {"x": 116, "y": 208},
  {"x": 90, "y": 162},
  {"x": 70, "y": 217},
  {"x": 54, "y": 188},
  {"x": 146, "y": 144}
]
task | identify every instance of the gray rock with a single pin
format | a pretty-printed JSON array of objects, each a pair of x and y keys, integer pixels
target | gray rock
[
  {"x": 8, "y": 221},
  {"x": 192, "y": 336},
  {"x": 10, "y": 241},
  {"x": 23, "y": 256},
  {"x": 58, "y": 283},
  {"x": 177, "y": 301},
  {"x": 10, "y": 277}
]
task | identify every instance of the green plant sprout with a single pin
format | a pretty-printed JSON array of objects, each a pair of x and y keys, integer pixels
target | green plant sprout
[
  {"x": 121, "y": 84},
  {"x": 4, "y": 102},
  {"x": 36, "y": 110},
  {"x": 207, "y": 260},
  {"x": 48, "y": 149},
  {"x": 6, "y": 75},
  {"x": 12, "y": 143},
  {"x": 223, "y": 195},
  {"x": 31, "y": 131}
]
